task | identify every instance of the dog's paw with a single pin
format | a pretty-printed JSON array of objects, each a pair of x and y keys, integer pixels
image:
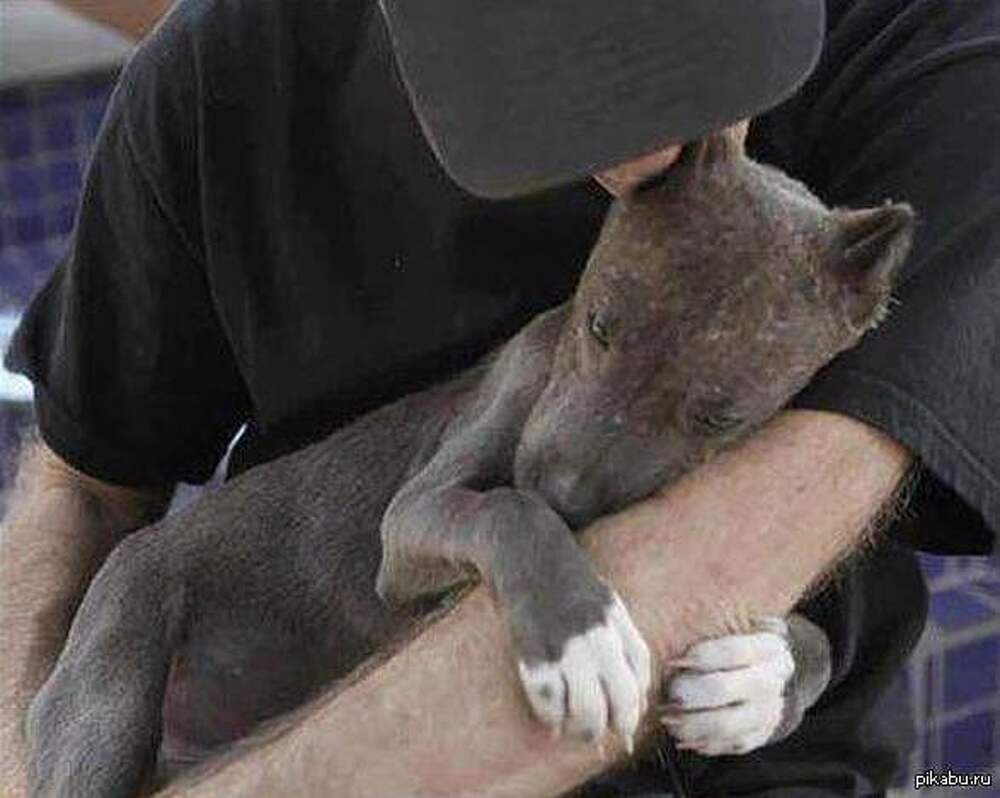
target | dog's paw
[
  {"x": 728, "y": 694},
  {"x": 601, "y": 680}
]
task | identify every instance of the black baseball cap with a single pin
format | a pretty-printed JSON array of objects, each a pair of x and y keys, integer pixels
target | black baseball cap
[{"x": 518, "y": 95}]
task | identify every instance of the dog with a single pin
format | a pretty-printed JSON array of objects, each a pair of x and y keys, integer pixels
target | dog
[{"x": 708, "y": 301}]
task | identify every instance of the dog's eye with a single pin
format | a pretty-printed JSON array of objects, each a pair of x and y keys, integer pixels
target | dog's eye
[
  {"x": 715, "y": 418},
  {"x": 599, "y": 328},
  {"x": 716, "y": 423}
]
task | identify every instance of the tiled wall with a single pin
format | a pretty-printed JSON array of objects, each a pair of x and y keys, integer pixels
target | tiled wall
[
  {"x": 955, "y": 673},
  {"x": 46, "y": 132},
  {"x": 45, "y": 135}
]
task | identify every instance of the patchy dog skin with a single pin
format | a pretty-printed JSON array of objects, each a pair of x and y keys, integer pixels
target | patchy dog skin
[{"x": 707, "y": 303}]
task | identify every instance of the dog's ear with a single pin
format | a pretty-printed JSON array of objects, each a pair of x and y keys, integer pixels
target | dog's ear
[
  {"x": 721, "y": 146},
  {"x": 869, "y": 248},
  {"x": 734, "y": 139}
]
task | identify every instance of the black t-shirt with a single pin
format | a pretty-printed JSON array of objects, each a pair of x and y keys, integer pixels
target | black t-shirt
[{"x": 265, "y": 237}]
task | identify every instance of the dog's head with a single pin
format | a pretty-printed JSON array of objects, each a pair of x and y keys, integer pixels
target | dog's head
[{"x": 707, "y": 303}]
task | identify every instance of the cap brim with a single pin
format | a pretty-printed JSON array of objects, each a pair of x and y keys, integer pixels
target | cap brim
[{"x": 514, "y": 97}]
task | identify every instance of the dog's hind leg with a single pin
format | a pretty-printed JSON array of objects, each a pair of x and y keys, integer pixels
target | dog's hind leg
[{"x": 94, "y": 727}]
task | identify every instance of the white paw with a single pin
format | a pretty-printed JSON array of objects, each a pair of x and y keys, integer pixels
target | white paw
[
  {"x": 602, "y": 680},
  {"x": 728, "y": 696}
]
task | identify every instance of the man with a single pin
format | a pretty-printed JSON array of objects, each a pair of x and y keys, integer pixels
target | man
[{"x": 266, "y": 237}]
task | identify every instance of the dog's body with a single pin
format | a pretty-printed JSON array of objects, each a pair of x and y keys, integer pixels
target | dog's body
[{"x": 242, "y": 606}]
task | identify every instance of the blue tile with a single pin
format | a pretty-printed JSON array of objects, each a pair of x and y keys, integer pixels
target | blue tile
[
  {"x": 64, "y": 176},
  {"x": 926, "y": 750},
  {"x": 931, "y": 667},
  {"x": 60, "y": 93},
  {"x": 62, "y": 219},
  {"x": 971, "y": 672},
  {"x": 29, "y": 228},
  {"x": 971, "y": 565},
  {"x": 932, "y": 566},
  {"x": 16, "y": 136},
  {"x": 955, "y": 609},
  {"x": 99, "y": 90},
  {"x": 988, "y": 585},
  {"x": 44, "y": 257},
  {"x": 14, "y": 99},
  {"x": 92, "y": 118},
  {"x": 24, "y": 269},
  {"x": 23, "y": 183},
  {"x": 59, "y": 132},
  {"x": 968, "y": 743}
]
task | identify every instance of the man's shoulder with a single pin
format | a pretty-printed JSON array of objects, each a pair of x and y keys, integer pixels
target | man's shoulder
[
  {"x": 220, "y": 91},
  {"x": 218, "y": 30},
  {"x": 216, "y": 54}
]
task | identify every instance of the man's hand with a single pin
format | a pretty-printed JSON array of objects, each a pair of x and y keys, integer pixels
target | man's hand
[
  {"x": 60, "y": 527},
  {"x": 741, "y": 538}
]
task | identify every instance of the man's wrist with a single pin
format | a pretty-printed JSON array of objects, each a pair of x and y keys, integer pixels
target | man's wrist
[{"x": 124, "y": 508}]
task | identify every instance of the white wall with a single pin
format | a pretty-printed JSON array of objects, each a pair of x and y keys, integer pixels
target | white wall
[{"x": 41, "y": 40}]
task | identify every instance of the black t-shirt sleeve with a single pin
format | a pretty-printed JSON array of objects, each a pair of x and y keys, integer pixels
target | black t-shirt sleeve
[
  {"x": 905, "y": 108},
  {"x": 134, "y": 380}
]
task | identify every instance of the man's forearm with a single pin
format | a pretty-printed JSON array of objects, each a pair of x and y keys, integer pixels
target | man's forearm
[
  {"x": 59, "y": 528},
  {"x": 749, "y": 534},
  {"x": 744, "y": 536}
]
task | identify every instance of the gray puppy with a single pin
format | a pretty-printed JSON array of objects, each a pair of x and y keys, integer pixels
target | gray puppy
[{"x": 707, "y": 303}]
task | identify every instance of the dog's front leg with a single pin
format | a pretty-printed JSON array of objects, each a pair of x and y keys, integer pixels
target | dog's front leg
[
  {"x": 94, "y": 727},
  {"x": 583, "y": 664}
]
